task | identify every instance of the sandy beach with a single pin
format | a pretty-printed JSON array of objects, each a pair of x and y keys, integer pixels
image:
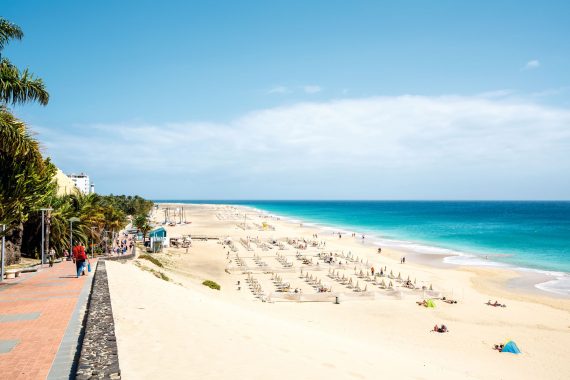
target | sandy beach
[{"x": 177, "y": 328}]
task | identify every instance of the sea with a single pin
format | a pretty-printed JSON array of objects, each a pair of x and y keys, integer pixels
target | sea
[{"x": 524, "y": 235}]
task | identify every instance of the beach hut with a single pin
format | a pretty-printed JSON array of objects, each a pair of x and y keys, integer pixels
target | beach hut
[
  {"x": 511, "y": 347},
  {"x": 158, "y": 239}
]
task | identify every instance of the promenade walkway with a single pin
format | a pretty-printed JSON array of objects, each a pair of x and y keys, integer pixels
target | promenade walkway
[{"x": 40, "y": 322}]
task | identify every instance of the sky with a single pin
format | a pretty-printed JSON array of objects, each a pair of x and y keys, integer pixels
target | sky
[{"x": 303, "y": 99}]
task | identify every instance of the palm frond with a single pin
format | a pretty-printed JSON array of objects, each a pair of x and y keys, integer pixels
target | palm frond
[
  {"x": 9, "y": 31},
  {"x": 20, "y": 87}
]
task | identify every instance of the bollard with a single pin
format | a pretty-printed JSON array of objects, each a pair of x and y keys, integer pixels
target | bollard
[{"x": 336, "y": 300}]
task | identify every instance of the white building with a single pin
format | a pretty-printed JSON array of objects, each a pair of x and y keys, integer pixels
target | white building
[{"x": 81, "y": 181}]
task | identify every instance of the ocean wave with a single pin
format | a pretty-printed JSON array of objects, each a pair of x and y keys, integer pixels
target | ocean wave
[
  {"x": 560, "y": 285},
  {"x": 419, "y": 248},
  {"x": 472, "y": 260}
]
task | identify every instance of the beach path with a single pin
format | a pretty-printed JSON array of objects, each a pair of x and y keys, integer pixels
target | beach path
[{"x": 40, "y": 322}]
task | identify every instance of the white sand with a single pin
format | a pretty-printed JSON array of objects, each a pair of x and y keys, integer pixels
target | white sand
[{"x": 183, "y": 330}]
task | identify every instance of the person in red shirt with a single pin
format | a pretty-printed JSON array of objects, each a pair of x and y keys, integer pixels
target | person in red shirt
[{"x": 79, "y": 256}]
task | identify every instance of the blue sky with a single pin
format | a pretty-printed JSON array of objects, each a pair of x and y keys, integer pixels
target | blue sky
[{"x": 297, "y": 99}]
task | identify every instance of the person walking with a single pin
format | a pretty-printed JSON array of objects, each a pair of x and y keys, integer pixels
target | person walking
[
  {"x": 80, "y": 257},
  {"x": 51, "y": 257}
]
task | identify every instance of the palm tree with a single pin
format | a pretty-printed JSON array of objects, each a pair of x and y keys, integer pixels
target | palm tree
[
  {"x": 25, "y": 178},
  {"x": 141, "y": 222},
  {"x": 17, "y": 87},
  {"x": 23, "y": 171}
]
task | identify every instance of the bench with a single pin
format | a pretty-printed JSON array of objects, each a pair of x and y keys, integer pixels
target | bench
[{"x": 12, "y": 273}]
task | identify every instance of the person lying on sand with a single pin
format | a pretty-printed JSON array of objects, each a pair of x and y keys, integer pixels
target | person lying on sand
[
  {"x": 444, "y": 299},
  {"x": 496, "y": 304},
  {"x": 422, "y": 303},
  {"x": 498, "y": 347},
  {"x": 442, "y": 329}
]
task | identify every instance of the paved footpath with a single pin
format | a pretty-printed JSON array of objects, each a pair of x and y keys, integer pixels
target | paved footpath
[{"x": 40, "y": 322}]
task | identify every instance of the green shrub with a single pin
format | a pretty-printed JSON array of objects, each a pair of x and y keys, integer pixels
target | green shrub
[
  {"x": 161, "y": 275},
  {"x": 211, "y": 284},
  {"x": 153, "y": 260}
]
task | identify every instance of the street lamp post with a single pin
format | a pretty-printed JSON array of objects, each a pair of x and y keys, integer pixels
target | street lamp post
[
  {"x": 71, "y": 220},
  {"x": 92, "y": 241},
  {"x": 43, "y": 235},
  {"x": 2, "y": 253}
]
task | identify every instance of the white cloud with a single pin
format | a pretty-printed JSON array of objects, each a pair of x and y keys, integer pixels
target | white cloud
[
  {"x": 279, "y": 90},
  {"x": 496, "y": 93},
  {"x": 550, "y": 92},
  {"x": 312, "y": 89},
  {"x": 530, "y": 65},
  {"x": 379, "y": 147}
]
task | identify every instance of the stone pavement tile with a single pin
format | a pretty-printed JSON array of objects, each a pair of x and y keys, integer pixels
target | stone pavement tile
[
  {"x": 19, "y": 317},
  {"x": 8, "y": 345}
]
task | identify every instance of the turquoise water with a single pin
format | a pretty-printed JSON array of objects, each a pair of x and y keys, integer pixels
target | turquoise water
[{"x": 521, "y": 234}]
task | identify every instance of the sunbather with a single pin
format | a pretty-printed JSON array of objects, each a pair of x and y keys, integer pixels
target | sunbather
[
  {"x": 448, "y": 300},
  {"x": 442, "y": 329}
]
